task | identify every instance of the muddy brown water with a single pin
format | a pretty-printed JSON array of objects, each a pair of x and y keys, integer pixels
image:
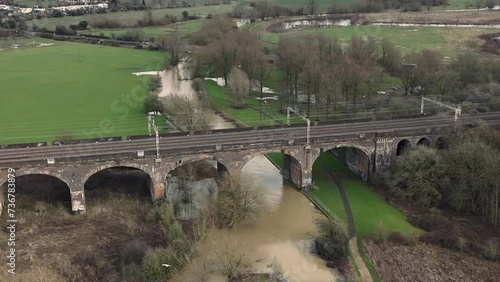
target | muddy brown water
[{"x": 281, "y": 235}]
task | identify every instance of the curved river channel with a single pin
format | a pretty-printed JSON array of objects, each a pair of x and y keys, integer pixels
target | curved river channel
[{"x": 281, "y": 235}]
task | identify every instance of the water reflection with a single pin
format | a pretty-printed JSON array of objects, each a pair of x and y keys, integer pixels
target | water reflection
[{"x": 281, "y": 234}]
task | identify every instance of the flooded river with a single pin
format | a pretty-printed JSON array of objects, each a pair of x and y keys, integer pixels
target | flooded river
[{"x": 281, "y": 235}]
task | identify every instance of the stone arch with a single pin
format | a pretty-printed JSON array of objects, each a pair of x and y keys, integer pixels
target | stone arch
[
  {"x": 101, "y": 168},
  {"x": 183, "y": 161},
  {"x": 440, "y": 143},
  {"x": 367, "y": 152},
  {"x": 403, "y": 145},
  {"x": 424, "y": 141},
  {"x": 250, "y": 157},
  {"x": 360, "y": 165},
  {"x": 293, "y": 164},
  {"x": 4, "y": 188}
]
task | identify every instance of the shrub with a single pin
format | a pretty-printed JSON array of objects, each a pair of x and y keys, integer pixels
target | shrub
[
  {"x": 152, "y": 264},
  {"x": 379, "y": 232},
  {"x": 462, "y": 244},
  {"x": 164, "y": 212},
  {"x": 490, "y": 249},
  {"x": 133, "y": 252},
  {"x": 430, "y": 221},
  {"x": 131, "y": 272},
  {"x": 332, "y": 244},
  {"x": 397, "y": 238},
  {"x": 155, "y": 83},
  {"x": 153, "y": 103},
  {"x": 197, "y": 84}
]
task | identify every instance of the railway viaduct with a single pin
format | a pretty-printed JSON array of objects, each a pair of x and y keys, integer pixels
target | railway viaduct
[{"x": 378, "y": 142}]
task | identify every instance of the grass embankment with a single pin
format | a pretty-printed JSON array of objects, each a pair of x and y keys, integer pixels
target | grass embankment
[
  {"x": 249, "y": 114},
  {"x": 130, "y": 18},
  {"x": 369, "y": 209},
  {"x": 86, "y": 90}
]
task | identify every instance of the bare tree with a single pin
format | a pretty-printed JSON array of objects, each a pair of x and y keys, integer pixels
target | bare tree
[
  {"x": 237, "y": 200},
  {"x": 390, "y": 56},
  {"x": 173, "y": 47},
  {"x": 238, "y": 87},
  {"x": 312, "y": 7},
  {"x": 185, "y": 112},
  {"x": 311, "y": 75},
  {"x": 148, "y": 16},
  {"x": 249, "y": 52},
  {"x": 222, "y": 55},
  {"x": 291, "y": 61},
  {"x": 262, "y": 72},
  {"x": 362, "y": 51},
  {"x": 230, "y": 259},
  {"x": 213, "y": 29}
]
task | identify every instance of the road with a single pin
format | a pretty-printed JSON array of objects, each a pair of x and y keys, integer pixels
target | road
[{"x": 171, "y": 145}]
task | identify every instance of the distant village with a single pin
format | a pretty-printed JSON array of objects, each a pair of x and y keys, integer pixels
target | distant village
[{"x": 64, "y": 6}]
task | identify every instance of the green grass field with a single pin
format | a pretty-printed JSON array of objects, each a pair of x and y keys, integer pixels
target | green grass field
[
  {"x": 87, "y": 90},
  {"x": 130, "y": 18},
  {"x": 448, "y": 40},
  {"x": 185, "y": 28},
  {"x": 249, "y": 114}
]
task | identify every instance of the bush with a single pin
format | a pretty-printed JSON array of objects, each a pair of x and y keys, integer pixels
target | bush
[
  {"x": 131, "y": 272},
  {"x": 491, "y": 249},
  {"x": 132, "y": 35},
  {"x": 430, "y": 221},
  {"x": 133, "y": 252},
  {"x": 397, "y": 238},
  {"x": 197, "y": 84},
  {"x": 379, "y": 232},
  {"x": 62, "y": 30},
  {"x": 155, "y": 83},
  {"x": 152, "y": 264},
  {"x": 332, "y": 243},
  {"x": 152, "y": 103}
]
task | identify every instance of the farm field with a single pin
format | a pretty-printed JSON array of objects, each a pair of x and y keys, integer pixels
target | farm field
[
  {"x": 85, "y": 90},
  {"x": 447, "y": 40},
  {"x": 130, "y": 18},
  {"x": 184, "y": 28}
]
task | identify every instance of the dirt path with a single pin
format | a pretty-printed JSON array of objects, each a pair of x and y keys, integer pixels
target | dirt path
[{"x": 353, "y": 243}]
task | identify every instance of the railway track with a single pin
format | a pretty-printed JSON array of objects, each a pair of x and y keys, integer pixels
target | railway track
[{"x": 232, "y": 139}]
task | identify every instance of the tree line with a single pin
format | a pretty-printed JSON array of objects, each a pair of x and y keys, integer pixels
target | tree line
[
  {"x": 463, "y": 177},
  {"x": 323, "y": 71}
]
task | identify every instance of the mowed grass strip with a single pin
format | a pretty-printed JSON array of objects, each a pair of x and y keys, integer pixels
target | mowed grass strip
[{"x": 87, "y": 90}]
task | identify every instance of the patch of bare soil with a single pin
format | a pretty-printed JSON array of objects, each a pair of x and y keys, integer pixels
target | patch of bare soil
[
  {"x": 439, "y": 17},
  {"x": 428, "y": 263},
  {"x": 491, "y": 43}
]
